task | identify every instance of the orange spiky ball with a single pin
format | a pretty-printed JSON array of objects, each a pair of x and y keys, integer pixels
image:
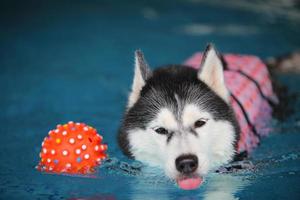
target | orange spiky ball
[{"x": 72, "y": 148}]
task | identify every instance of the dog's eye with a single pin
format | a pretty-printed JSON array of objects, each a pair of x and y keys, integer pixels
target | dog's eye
[
  {"x": 161, "y": 130},
  {"x": 199, "y": 123}
]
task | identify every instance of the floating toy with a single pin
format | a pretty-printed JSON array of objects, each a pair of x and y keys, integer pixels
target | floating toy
[{"x": 72, "y": 148}]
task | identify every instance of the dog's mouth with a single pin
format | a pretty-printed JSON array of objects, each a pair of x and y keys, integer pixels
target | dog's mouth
[{"x": 189, "y": 182}]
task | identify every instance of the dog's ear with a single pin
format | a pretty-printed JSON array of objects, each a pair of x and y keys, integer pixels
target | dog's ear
[
  {"x": 141, "y": 73},
  {"x": 211, "y": 72}
]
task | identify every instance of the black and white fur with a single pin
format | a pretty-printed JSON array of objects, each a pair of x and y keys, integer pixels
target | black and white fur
[{"x": 177, "y": 114}]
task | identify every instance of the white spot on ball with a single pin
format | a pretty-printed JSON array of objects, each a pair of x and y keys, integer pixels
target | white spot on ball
[
  {"x": 65, "y": 152},
  {"x": 83, "y": 147},
  {"x": 85, "y": 128},
  {"x": 72, "y": 140},
  {"x": 48, "y": 160},
  {"x": 78, "y": 151},
  {"x": 64, "y": 133},
  {"x": 86, "y": 156},
  {"x": 56, "y": 131},
  {"x": 52, "y": 151},
  {"x": 102, "y": 147},
  {"x": 44, "y": 150},
  {"x": 79, "y": 137},
  {"x": 96, "y": 148},
  {"x": 68, "y": 165}
]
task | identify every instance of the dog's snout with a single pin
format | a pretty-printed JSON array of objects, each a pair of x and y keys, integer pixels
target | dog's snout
[{"x": 186, "y": 164}]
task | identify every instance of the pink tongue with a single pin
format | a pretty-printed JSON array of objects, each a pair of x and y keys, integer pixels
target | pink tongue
[{"x": 189, "y": 183}]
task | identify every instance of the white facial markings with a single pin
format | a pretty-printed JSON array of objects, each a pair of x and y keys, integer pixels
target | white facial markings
[
  {"x": 213, "y": 145},
  {"x": 147, "y": 146},
  {"x": 223, "y": 138},
  {"x": 191, "y": 114},
  {"x": 165, "y": 118}
]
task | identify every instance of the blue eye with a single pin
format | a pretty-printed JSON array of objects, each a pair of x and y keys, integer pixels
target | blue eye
[{"x": 161, "y": 131}]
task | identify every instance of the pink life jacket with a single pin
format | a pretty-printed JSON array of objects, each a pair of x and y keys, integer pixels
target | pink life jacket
[{"x": 248, "y": 80}]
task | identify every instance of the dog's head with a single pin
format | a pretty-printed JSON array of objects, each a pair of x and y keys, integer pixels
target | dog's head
[{"x": 179, "y": 118}]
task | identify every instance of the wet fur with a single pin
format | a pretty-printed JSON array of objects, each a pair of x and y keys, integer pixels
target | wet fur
[
  {"x": 175, "y": 97},
  {"x": 159, "y": 92},
  {"x": 175, "y": 94}
]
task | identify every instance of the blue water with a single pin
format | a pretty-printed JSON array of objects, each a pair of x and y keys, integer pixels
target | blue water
[{"x": 73, "y": 60}]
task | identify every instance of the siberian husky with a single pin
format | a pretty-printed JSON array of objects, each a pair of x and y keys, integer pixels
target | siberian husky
[{"x": 180, "y": 119}]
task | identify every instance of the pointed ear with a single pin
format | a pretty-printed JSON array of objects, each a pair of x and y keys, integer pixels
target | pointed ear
[
  {"x": 141, "y": 73},
  {"x": 211, "y": 72}
]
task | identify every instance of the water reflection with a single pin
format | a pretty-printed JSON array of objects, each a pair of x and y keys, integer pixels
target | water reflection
[
  {"x": 97, "y": 197},
  {"x": 216, "y": 186},
  {"x": 224, "y": 186},
  {"x": 141, "y": 182}
]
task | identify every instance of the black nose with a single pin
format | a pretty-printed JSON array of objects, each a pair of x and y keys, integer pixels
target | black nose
[{"x": 186, "y": 164}]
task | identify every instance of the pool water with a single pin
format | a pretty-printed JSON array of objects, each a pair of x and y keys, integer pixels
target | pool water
[{"x": 67, "y": 61}]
